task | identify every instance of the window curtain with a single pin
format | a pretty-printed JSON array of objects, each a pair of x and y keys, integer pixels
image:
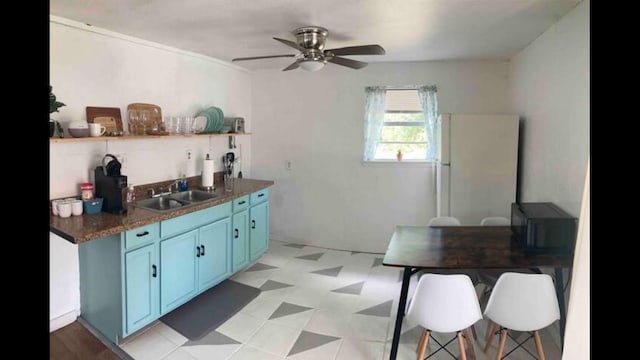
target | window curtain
[
  {"x": 429, "y": 100},
  {"x": 373, "y": 119}
]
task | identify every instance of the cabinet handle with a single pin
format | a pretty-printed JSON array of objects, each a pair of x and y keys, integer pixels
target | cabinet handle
[
  {"x": 241, "y": 202},
  {"x": 155, "y": 271},
  {"x": 198, "y": 254},
  {"x": 253, "y": 224},
  {"x": 142, "y": 234},
  {"x": 237, "y": 233},
  {"x": 261, "y": 195},
  {"x": 202, "y": 246}
]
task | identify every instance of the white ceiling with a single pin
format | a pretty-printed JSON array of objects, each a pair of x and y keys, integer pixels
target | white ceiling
[{"x": 409, "y": 30}]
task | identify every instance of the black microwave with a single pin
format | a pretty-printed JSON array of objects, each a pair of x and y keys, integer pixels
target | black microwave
[{"x": 543, "y": 227}]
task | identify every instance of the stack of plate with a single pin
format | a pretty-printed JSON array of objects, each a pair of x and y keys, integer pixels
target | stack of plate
[{"x": 208, "y": 121}]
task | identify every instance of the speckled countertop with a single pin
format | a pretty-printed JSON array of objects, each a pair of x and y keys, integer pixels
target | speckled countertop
[{"x": 78, "y": 229}]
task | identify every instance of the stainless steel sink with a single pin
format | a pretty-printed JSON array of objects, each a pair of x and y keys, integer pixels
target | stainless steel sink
[
  {"x": 193, "y": 196},
  {"x": 163, "y": 203}
]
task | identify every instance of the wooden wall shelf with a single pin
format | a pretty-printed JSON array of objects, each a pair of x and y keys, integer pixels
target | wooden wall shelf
[{"x": 145, "y": 137}]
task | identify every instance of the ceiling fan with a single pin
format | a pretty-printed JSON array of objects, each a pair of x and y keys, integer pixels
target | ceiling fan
[{"x": 312, "y": 56}]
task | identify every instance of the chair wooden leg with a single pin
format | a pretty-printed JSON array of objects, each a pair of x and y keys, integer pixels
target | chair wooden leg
[
  {"x": 536, "y": 337},
  {"x": 470, "y": 344},
  {"x": 503, "y": 341},
  {"x": 424, "y": 331},
  {"x": 493, "y": 330},
  {"x": 473, "y": 331},
  {"x": 463, "y": 354},
  {"x": 489, "y": 326},
  {"x": 424, "y": 341}
]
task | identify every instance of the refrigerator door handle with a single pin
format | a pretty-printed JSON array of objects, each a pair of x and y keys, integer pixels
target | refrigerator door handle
[{"x": 434, "y": 176}]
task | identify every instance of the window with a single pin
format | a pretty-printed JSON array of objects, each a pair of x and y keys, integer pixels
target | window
[{"x": 397, "y": 121}]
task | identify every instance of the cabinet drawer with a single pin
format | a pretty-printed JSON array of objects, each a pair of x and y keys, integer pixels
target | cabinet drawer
[
  {"x": 141, "y": 235},
  {"x": 195, "y": 219},
  {"x": 240, "y": 203},
  {"x": 259, "y": 196}
]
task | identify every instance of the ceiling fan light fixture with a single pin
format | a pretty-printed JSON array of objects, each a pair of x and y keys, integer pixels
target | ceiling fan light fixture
[{"x": 312, "y": 65}]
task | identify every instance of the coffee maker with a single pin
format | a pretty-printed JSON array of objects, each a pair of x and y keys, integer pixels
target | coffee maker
[{"x": 109, "y": 185}]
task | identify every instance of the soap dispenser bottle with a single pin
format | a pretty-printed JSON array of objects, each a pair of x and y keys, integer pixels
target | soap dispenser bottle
[{"x": 131, "y": 194}]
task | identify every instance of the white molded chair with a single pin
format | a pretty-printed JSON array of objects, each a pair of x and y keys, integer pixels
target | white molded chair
[
  {"x": 444, "y": 221},
  {"x": 490, "y": 276},
  {"x": 522, "y": 302},
  {"x": 495, "y": 221},
  {"x": 472, "y": 273},
  {"x": 445, "y": 303}
]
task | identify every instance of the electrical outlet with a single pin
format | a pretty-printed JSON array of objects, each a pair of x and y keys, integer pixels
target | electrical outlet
[
  {"x": 189, "y": 154},
  {"x": 287, "y": 164}
]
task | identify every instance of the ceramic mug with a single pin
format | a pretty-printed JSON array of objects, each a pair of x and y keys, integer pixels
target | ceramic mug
[
  {"x": 64, "y": 209},
  {"x": 54, "y": 206},
  {"x": 96, "y": 129},
  {"x": 76, "y": 207}
]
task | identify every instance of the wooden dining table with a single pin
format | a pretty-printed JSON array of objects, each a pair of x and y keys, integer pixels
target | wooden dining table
[{"x": 415, "y": 248}]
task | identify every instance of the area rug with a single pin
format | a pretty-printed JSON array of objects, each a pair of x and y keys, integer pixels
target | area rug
[{"x": 207, "y": 311}]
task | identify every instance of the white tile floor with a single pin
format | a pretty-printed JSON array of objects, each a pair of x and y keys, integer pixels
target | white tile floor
[{"x": 327, "y": 305}]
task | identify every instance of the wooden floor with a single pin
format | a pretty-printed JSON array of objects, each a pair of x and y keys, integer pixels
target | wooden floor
[{"x": 74, "y": 341}]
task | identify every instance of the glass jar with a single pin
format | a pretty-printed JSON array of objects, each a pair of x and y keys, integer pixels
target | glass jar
[{"x": 87, "y": 191}]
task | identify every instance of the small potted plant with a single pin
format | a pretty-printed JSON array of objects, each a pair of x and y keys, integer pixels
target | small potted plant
[
  {"x": 399, "y": 155},
  {"x": 53, "y": 107}
]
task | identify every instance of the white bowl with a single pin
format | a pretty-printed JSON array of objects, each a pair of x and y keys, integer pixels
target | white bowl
[{"x": 78, "y": 125}]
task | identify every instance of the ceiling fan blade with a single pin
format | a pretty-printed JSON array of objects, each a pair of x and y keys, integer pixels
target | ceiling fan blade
[
  {"x": 354, "y": 64},
  {"x": 261, "y": 57},
  {"x": 291, "y": 43},
  {"x": 291, "y": 67},
  {"x": 358, "y": 50}
]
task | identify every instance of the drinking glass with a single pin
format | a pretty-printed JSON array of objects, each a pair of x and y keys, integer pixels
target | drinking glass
[
  {"x": 187, "y": 127},
  {"x": 133, "y": 121},
  {"x": 144, "y": 122}
]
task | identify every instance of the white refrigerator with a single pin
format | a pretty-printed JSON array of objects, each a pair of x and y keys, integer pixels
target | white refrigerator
[{"x": 476, "y": 166}]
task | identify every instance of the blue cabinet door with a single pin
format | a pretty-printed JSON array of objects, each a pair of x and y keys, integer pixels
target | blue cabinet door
[
  {"x": 141, "y": 287},
  {"x": 179, "y": 266},
  {"x": 240, "y": 240},
  {"x": 214, "y": 262},
  {"x": 258, "y": 229}
]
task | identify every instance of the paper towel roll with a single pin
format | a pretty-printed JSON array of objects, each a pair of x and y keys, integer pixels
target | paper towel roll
[{"x": 207, "y": 173}]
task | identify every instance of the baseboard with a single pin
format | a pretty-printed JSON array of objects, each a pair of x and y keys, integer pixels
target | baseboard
[{"x": 63, "y": 320}]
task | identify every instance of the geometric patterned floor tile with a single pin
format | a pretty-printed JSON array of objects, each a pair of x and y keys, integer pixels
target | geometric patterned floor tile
[
  {"x": 273, "y": 285},
  {"x": 329, "y": 272},
  {"x": 343, "y": 315},
  {"x": 308, "y": 340},
  {"x": 411, "y": 336},
  {"x": 297, "y": 246},
  {"x": 354, "y": 289},
  {"x": 377, "y": 262},
  {"x": 213, "y": 338},
  {"x": 288, "y": 309},
  {"x": 383, "y": 309},
  {"x": 310, "y": 256},
  {"x": 261, "y": 266}
]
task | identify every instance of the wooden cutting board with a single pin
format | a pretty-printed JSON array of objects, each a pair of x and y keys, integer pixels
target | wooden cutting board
[
  {"x": 107, "y": 116},
  {"x": 155, "y": 116}
]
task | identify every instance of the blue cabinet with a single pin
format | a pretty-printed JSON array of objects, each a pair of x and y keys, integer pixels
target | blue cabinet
[
  {"x": 240, "y": 240},
  {"x": 141, "y": 287},
  {"x": 130, "y": 279},
  {"x": 258, "y": 229},
  {"x": 178, "y": 270},
  {"x": 214, "y": 260}
]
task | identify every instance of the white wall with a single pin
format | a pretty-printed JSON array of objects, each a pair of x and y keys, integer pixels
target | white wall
[
  {"x": 95, "y": 67},
  {"x": 330, "y": 198},
  {"x": 550, "y": 89},
  {"x": 578, "y": 331}
]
